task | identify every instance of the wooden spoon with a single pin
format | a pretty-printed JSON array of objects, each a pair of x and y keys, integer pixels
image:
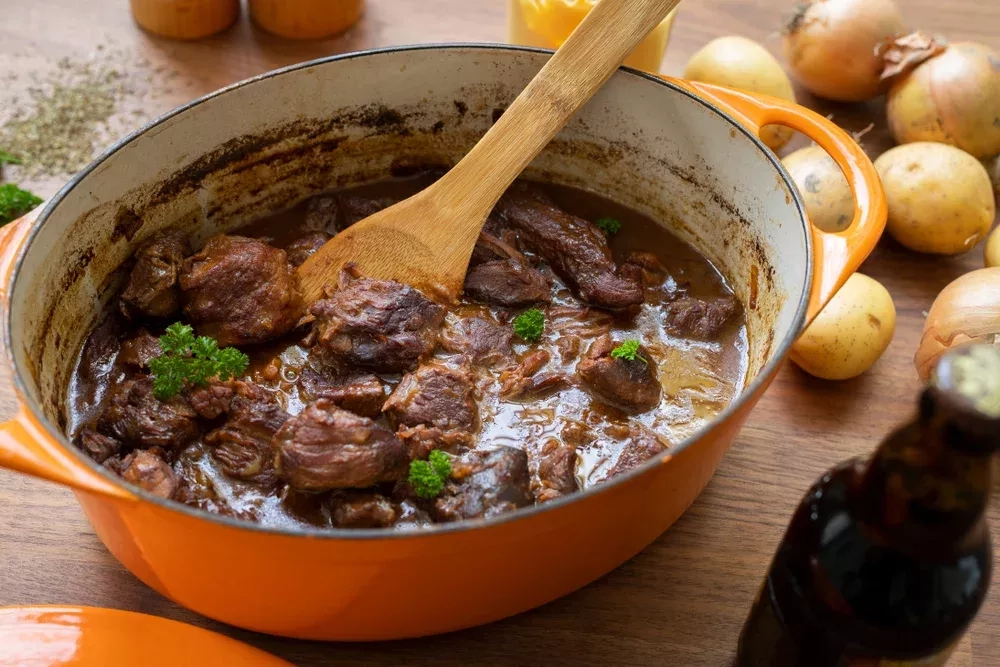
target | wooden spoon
[{"x": 426, "y": 240}]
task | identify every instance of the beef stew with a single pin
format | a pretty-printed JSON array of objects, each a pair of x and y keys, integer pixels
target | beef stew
[{"x": 643, "y": 342}]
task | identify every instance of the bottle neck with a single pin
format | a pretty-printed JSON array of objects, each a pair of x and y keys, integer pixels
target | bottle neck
[{"x": 927, "y": 487}]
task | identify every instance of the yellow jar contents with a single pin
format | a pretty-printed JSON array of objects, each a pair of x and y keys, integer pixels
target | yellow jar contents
[{"x": 548, "y": 23}]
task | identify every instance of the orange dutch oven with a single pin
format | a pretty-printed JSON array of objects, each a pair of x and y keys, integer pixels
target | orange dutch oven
[{"x": 685, "y": 153}]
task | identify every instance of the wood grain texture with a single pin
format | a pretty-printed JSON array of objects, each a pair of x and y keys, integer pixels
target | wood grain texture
[
  {"x": 680, "y": 602},
  {"x": 426, "y": 240}
]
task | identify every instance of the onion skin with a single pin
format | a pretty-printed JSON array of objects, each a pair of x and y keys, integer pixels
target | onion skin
[
  {"x": 832, "y": 46},
  {"x": 991, "y": 254},
  {"x": 824, "y": 189},
  {"x": 953, "y": 98},
  {"x": 940, "y": 198},
  {"x": 967, "y": 310},
  {"x": 742, "y": 63}
]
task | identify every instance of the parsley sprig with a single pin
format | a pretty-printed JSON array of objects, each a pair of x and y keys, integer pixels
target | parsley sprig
[
  {"x": 187, "y": 360},
  {"x": 428, "y": 477},
  {"x": 7, "y": 158},
  {"x": 628, "y": 350},
  {"x": 15, "y": 202},
  {"x": 609, "y": 226},
  {"x": 530, "y": 325}
]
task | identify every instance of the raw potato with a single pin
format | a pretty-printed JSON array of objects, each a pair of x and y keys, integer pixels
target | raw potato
[
  {"x": 827, "y": 196},
  {"x": 850, "y": 333},
  {"x": 940, "y": 197},
  {"x": 992, "y": 252},
  {"x": 742, "y": 63}
]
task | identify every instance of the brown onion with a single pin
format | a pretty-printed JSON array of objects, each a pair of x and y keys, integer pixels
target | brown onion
[
  {"x": 967, "y": 310},
  {"x": 832, "y": 46},
  {"x": 952, "y": 98}
]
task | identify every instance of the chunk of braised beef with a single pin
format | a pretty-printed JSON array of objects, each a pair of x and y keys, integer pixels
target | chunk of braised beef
[
  {"x": 243, "y": 446},
  {"x": 524, "y": 379},
  {"x": 140, "y": 349},
  {"x": 150, "y": 473},
  {"x": 213, "y": 399},
  {"x": 421, "y": 440},
  {"x": 137, "y": 419},
  {"x": 359, "y": 392},
  {"x": 487, "y": 248},
  {"x": 380, "y": 325},
  {"x": 641, "y": 446},
  {"x": 631, "y": 385},
  {"x": 435, "y": 395},
  {"x": 704, "y": 320},
  {"x": 335, "y": 213},
  {"x": 195, "y": 488},
  {"x": 575, "y": 248},
  {"x": 478, "y": 340},
  {"x": 98, "y": 446},
  {"x": 555, "y": 469},
  {"x": 484, "y": 483},
  {"x": 362, "y": 509},
  {"x": 151, "y": 289},
  {"x": 325, "y": 447},
  {"x": 508, "y": 279},
  {"x": 648, "y": 267},
  {"x": 239, "y": 291},
  {"x": 302, "y": 248}
]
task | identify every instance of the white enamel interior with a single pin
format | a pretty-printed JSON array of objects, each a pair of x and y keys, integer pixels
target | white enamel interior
[{"x": 639, "y": 142}]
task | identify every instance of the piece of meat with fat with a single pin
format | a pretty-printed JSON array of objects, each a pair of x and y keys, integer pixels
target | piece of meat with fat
[
  {"x": 150, "y": 473},
  {"x": 379, "y": 325},
  {"x": 213, "y": 399},
  {"x": 484, "y": 483},
  {"x": 239, "y": 291},
  {"x": 136, "y": 418},
  {"x": 631, "y": 385},
  {"x": 435, "y": 395},
  {"x": 509, "y": 280},
  {"x": 140, "y": 349},
  {"x": 243, "y": 446},
  {"x": 421, "y": 440},
  {"x": 152, "y": 286},
  {"x": 325, "y": 447},
  {"x": 554, "y": 465},
  {"x": 98, "y": 446},
  {"x": 195, "y": 488},
  {"x": 575, "y": 248},
  {"x": 694, "y": 318},
  {"x": 480, "y": 341},
  {"x": 641, "y": 446},
  {"x": 335, "y": 213},
  {"x": 304, "y": 247},
  {"x": 486, "y": 248},
  {"x": 359, "y": 392},
  {"x": 363, "y": 509},
  {"x": 524, "y": 379}
]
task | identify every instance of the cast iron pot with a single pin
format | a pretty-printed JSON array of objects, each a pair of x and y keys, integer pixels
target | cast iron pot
[{"x": 687, "y": 154}]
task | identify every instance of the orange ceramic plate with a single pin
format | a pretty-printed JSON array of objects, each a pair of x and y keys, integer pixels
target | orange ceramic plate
[{"x": 94, "y": 637}]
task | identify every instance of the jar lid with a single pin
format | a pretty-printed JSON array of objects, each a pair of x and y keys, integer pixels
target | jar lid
[{"x": 44, "y": 636}]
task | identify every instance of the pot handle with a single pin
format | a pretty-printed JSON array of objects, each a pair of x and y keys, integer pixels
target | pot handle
[
  {"x": 836, "y": 255},
  {"x": 24, "y": 445}
]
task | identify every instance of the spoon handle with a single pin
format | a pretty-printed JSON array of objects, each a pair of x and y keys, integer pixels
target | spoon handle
[{"x": 602, "y": 41}]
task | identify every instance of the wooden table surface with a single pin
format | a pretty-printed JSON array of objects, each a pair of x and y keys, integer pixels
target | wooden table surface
[{"x": 680, "y": 602}]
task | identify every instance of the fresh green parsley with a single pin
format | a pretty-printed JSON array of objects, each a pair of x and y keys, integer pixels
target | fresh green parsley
[
  {"x": 15, "y": 202},
  {"x": 187, "y": 360},
  {"x": 628, "y": 350},
  {"x": 530, "y": 325},
  {"x": 428, "y": 477},
  {"x": 7, "y": 158},
  {"x": 609, "y": 226}
]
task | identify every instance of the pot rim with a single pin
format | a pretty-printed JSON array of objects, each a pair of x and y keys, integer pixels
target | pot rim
[{"x": 756, "y": 385}]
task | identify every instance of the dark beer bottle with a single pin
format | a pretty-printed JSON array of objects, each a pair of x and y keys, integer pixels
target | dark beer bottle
[{"x": 886, "y": 563}]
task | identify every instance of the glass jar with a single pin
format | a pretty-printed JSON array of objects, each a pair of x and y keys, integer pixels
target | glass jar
[{"x": 547, "y": 24}]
